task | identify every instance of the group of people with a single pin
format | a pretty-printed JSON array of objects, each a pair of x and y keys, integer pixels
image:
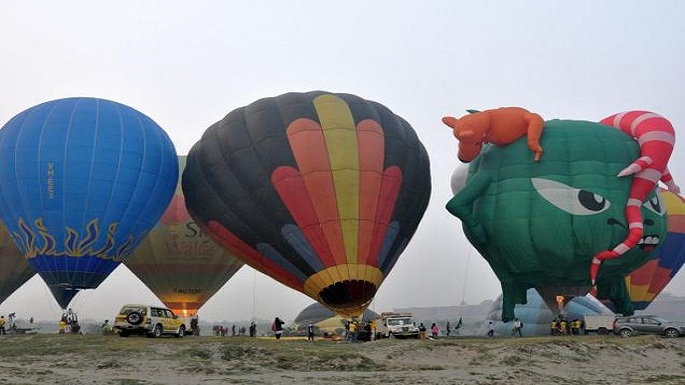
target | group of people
[
  {"x": 222, "y": 331},
  {"x": 560, "y": 326},
  {"x": 69, "y": 323},
  {"x": 354, "y": 330},
  {"x": 435, "y": 330}
]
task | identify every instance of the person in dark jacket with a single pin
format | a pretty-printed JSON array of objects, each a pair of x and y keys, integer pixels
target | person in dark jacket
[{"x": 277, "y": 327}]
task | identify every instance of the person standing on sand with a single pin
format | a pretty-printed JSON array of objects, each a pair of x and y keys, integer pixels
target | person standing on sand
[
  {"x": 422, "y": 331},
  {"x": 435, "y": 329},
  {"x": 448, "y": 329},
  {"x": 352, "y": 333},
  {"x": 310, "y": 332},
  {"x": 277, "y": 327},
  {"x": 518, "y": 325},
  {"x": 491, "y": 329}
]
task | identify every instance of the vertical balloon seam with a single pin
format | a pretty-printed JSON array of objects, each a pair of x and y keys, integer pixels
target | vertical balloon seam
[
  {"x": 150, "y": 207},
  {"x": 94, "y": 263},
  {"x": 370, "y": 180},
  {"x": 341, "y": 132},
  {"x": 157, "y": 208},
  {"x": 78, "y": 270},
  {"x": 290, "y": 262},
  {"x": 64, "y": 271},
  {"x": 54, "y": 261},
  {"x": 363, "y": 157},
  {"x": 383, "y": 233},
  {"x": 299, "y": 132},
  {"x": 90, "y": 260},
  {"x": 131, "y": 228},
  {"x": 214, "y": 132},
  {"x": 312, "y": 130},
  {"x": 333, "y": 114},
  {"x": 293, "y": 263}
]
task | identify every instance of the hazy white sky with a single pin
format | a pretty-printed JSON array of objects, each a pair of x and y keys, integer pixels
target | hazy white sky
[{"x": 187, "y": 64}]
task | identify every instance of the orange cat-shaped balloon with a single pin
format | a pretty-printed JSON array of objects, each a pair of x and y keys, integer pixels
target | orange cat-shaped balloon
[{"x": 499, "y": 126}]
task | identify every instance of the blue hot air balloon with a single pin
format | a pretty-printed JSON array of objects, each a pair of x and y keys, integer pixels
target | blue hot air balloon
[{"x": 82, "y": 181}]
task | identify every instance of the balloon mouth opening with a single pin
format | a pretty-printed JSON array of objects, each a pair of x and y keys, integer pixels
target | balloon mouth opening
[{"x": 348, "y": 294}]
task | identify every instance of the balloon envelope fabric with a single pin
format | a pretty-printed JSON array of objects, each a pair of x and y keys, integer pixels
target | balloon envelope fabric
[
  {"x": 178, "y": 262},
  {"x": 82, "y": 180},
  {"x": 540, "y": 224},
  {"x": 14, "y": 269},
  {"x": 320, "y": 191},
  {"x": 645, "y": 283}
]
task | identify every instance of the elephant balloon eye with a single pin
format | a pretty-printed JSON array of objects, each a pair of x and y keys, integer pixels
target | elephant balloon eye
[
  {"x": 572, "y": 200},
  {"x": 655, "y": 205}
]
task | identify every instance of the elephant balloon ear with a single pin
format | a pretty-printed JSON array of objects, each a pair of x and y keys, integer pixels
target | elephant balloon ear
[{"x": 472, "y": 111}]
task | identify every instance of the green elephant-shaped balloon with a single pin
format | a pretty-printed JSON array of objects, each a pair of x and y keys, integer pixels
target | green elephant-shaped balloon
[{"x": 539, "y": 224}]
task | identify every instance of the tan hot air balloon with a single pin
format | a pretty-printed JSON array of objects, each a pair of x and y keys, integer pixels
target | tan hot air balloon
[
  {"x": 14, "y": 268},
  {"x": 181, "y": 265}
]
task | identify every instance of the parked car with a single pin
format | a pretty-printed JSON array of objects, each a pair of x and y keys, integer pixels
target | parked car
[
  {"x": 648, "y": 324},
  {"x": 152, "y": 321}
]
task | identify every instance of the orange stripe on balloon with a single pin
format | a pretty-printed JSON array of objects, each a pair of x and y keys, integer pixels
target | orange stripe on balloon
[
  {"x": 371, "y": 154},
  {"x": 291, "y": 187},
  {"x": 309, "y": 148},
  {"x": 390, "y": 189},
  {"x": 252, "y": 257}
]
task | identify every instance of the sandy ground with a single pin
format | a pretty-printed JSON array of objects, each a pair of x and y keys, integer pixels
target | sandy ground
[{"x": 211, "y": 360}]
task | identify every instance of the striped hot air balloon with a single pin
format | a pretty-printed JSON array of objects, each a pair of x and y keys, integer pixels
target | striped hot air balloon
[
  {"x": 320, "y": 191},
  {"x": 645, "y": 283}
]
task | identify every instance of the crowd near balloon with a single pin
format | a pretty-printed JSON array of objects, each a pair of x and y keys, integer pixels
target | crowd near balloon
[{"x": 324, "y": 191}]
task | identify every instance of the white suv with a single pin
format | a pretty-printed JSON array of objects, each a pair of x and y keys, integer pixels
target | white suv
[{"x": 152, "y": 321}]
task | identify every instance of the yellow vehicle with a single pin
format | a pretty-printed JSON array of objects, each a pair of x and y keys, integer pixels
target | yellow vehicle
[{"x": 152, "y": 321}]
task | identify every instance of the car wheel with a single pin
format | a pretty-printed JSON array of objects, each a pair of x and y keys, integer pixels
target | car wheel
[
  {"x": 671, "y": 333},
  {"x": 602, "y": 331},
  {"x": 181, "y": 332},
  {"x": 134, "y": 318},
  {"x": 156, "y": 331},
  {"x": 624, "y": 333}
]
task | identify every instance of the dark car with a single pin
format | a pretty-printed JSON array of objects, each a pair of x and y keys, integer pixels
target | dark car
[{"x": 648, "y": 324}]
